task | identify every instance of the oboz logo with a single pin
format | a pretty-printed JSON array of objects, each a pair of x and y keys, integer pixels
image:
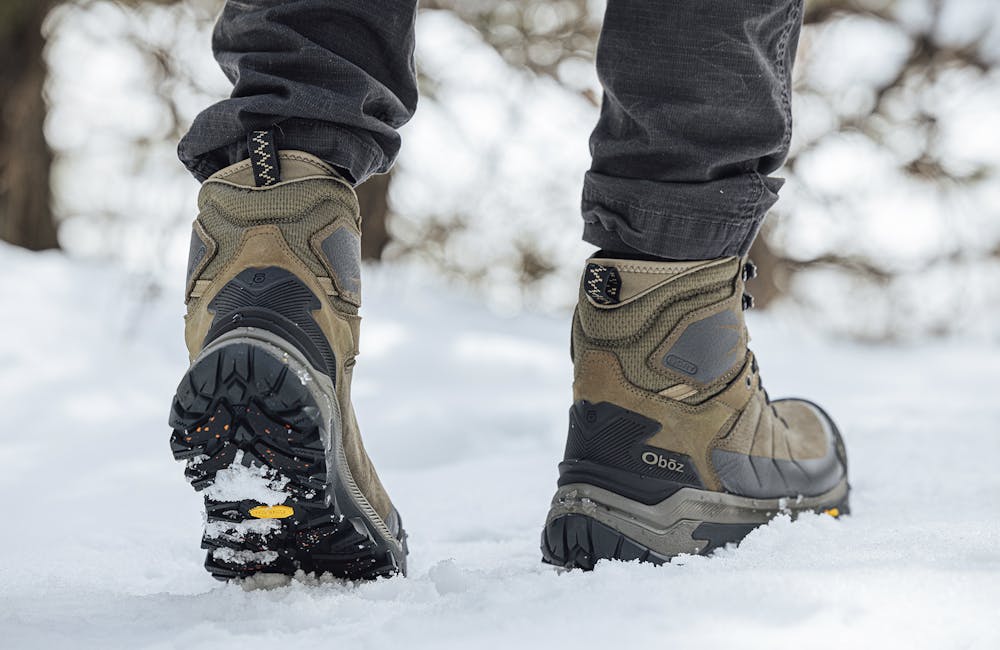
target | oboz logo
[
  {"x": 658, "y": 460},
  {"x": 681, "y": 364}
]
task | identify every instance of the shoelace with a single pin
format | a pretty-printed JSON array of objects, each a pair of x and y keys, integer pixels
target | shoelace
[{"x": 749, "y": 272}]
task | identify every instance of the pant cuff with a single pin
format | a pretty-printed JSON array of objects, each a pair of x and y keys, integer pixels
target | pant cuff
[
  {"x": 356, "y": 155},
  {"x": 684, "y": 221}
]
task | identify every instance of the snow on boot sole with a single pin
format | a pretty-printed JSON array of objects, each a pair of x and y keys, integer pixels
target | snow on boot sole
[
  {"x": 587, "y": 524},
  {"x": 260, "y": 433}
]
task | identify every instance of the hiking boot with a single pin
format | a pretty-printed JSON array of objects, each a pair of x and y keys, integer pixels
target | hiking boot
[
  {"x": 263, "y": 417},
  {"x": 674, "y": 446}
]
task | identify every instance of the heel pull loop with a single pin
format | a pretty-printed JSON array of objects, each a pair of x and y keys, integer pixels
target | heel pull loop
[{"x": 263, "y": 158}]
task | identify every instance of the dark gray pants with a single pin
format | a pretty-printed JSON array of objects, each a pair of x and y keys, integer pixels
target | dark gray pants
[{"x": 696, "y": 110}]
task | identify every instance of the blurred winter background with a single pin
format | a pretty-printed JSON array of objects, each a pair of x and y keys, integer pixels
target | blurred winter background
[{"x": 889, "y": 225}]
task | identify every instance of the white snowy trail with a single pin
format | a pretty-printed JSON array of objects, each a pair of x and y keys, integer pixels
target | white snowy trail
[{"x": 464, "y": 413}]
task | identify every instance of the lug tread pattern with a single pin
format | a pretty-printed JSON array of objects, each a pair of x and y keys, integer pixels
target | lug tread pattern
[
  {"x": 579, "y": 542},
  {"x": 241, "y": 405}
]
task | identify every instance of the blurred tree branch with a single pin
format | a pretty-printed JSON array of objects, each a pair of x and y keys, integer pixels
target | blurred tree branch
[{"x": 896, "y": 106}]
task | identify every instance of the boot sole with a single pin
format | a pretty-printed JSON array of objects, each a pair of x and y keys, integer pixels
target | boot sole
[
  {"x": 587, "y": 524},
  {"x": 259, "y": 430}
]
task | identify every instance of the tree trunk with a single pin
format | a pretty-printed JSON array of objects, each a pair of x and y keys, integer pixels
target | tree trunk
[
  {"x": 25, "y": 158},
  {"x": 373, "y": 196}
]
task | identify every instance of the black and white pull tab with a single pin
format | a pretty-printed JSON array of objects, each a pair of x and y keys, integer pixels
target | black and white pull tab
[
  {"x": 603, "y": 284},
  {"x": 263, "y": 158}
]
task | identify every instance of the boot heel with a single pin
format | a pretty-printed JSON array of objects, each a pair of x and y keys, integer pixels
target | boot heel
[{"x": 252, "y": 437}]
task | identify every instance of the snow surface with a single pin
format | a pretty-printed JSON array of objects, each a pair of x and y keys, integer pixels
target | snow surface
[
  {"x": 464, "y": 413},
  {"x": 238, "y": 482}
]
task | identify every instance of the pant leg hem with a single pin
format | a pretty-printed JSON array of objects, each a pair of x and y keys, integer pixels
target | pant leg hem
[
  {"x": 356, "y": 156},
  {"x": 677, "y": 220}
]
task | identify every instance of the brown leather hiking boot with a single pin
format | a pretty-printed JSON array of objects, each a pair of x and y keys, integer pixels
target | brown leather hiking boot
[
  {"x": 263, "y": 417},
  {"x": 674, "y": 447}
]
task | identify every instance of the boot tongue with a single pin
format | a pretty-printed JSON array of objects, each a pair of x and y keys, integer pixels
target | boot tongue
[{"x": 609, "y": 281}]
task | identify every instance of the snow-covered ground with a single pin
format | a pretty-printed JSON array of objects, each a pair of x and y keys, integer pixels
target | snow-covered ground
[{"x": 464, "y": 413}]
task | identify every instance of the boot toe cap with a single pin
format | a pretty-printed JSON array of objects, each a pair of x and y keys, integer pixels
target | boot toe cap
[{"x": 810, "y": 462}]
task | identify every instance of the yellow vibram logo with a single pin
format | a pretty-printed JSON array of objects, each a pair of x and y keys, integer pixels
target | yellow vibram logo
[
  {"x": 271, "y": 512},
  {"x": 833, "y": 512}
]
